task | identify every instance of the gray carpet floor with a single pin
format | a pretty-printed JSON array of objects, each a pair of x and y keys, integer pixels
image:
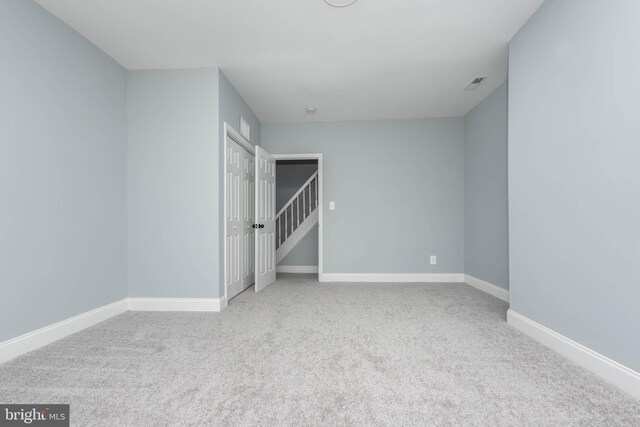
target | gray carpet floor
[{"x": 305, "y": 353}]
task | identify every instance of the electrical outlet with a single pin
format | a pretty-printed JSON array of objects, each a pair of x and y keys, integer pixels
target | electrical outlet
[
  {"x": 433, "y": 260},
  {"x": 332, "y": 205}
]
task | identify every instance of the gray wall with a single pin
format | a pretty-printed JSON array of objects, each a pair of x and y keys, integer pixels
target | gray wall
[
  {"x": 306, "y": 251},
  {"x": 231, "y": 106},
  {"x": 290, "y": 176},
  {"x": 175, "y": 182},
  {"x": 62, "y": 172},
  {"x": 574, "y": 179},
  {"x": 398, "y": 188},
  {"x": 173, "y": 173},
  {"x": 486, "y": 237}
]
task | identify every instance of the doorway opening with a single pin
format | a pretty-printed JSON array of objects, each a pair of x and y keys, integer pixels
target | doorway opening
[
  {"x": 299, "y": 213},
  {"x": 257, "y": 235},
  {"x": 297, "y": 216}
]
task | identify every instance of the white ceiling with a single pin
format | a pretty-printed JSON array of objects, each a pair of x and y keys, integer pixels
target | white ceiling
[{"x": 375, "y": 59}]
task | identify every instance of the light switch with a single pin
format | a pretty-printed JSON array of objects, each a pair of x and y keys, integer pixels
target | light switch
[{"x": 332, "y": 205}]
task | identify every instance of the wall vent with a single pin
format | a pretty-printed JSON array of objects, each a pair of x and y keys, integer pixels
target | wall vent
[{"x": 477, "y": 81}]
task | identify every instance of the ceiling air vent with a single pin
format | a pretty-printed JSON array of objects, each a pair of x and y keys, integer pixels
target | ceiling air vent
[{"x": 475, "y": 83}]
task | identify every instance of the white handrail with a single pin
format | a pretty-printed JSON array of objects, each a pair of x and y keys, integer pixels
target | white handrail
[
  {"x": 290, "y": 224},
  {"x": 295, "y": 196}
]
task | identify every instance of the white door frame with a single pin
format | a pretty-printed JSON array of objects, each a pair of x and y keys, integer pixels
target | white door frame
[
  {"x": 318, "y": 157},
  {"x": 231, "y": 133}
]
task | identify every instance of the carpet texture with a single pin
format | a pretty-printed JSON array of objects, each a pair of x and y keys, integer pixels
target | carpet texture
[{"x": 305, "y": 353}]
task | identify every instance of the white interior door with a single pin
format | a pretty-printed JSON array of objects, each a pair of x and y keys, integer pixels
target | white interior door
[
  {"x": 248, "y": 216},
  {"x": 265, "y": 219},
  {"x": 233, "y": 267}
]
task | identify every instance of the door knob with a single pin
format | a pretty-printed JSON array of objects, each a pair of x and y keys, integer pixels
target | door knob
[{"x": 261, "y": 226}]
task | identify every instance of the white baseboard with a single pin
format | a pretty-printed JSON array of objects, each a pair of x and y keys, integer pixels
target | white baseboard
[
  {"x": 43, "y": 336},
  {"x": 297, "y": 269},
  {"x": 177, "y": 304},
  {"x": 33, "y": 340},
  {"x": 609, "y": 370},
  {"x": 487, "y": 287},
  {"x": 393, "y": 277}
]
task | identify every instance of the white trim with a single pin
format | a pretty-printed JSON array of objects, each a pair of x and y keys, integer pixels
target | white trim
[
  {"x": 320, "y": 218},
  {"x": 393, "y": 277},
  {"x": 43, "y": 336},
  {"x": 310, "y": 156},
  {"x": 318, "y": 157},
  {"x": 245, "y": 128},
  {"x": 487, "y": 287},
  {"x": 609, "y": 370},
  {"x": 30, "y": 341},
  {"x": 177, "y": 304},
  {"x": 230, "y": 132},
  {"x": 297, "y": 269}
]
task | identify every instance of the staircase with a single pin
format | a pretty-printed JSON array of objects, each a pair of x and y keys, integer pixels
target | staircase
[{"x": 297, "y": 217}]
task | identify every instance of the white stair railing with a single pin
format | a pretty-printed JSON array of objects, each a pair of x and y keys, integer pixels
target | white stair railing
[{"x": 297, "y": 209}]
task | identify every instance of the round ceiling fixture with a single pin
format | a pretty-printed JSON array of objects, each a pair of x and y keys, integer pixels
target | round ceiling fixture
[
  {"x": 340, "y": 3},
  {"x": 310, "y": 109}
]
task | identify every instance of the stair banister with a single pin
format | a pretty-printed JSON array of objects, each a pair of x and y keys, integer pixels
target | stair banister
[{"x": 286, "y": 205}]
